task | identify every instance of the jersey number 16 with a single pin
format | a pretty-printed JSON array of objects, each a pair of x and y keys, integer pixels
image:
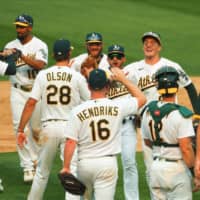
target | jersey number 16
[{"x": 99, "y": 131}]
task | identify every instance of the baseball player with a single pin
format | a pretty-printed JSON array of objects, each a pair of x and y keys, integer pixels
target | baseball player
[
  {"x": 197, "y": 121},
  {"x": 141, "y": 73},
  {"x": 34, "y": 56},
  {"x": 60, "y": 89},
  {"x": 94, "y": 47},
  {"x": 116, "y": 58},
  {"x": 7, "y": 63},
  {"x": 197, "y": 161},
  {"x": 1, "y": 186},
  {"x": 6, "y": 68},
  {"x": 170, "y": 140},
  {"x": 95, "y": 128}
]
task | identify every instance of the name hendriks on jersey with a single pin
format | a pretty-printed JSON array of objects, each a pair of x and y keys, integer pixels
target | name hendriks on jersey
[{"x": 98, "y": 111}]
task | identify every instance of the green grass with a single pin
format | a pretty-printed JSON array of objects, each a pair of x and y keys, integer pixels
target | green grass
[
  {"x": 15, "y": 189},
  {"x": 119, "y": 21}
]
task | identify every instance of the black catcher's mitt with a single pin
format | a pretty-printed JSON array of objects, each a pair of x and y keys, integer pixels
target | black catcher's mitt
[
  {"x": 17, "y": 54},
  {"x": 9, "y": 54},
  {"x": 71, "y": 184}
]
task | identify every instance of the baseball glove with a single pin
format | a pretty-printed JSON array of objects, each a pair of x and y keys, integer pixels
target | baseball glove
[
  {"x": 88, "y": 65},
  {"x": 71, "y": 184},
  {"x": 10, "y": 54},
  {"x": 16, "y": 55}
]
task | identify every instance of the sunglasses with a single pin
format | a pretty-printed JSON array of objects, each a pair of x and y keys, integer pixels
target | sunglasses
[{"x": 118, "y": 56}]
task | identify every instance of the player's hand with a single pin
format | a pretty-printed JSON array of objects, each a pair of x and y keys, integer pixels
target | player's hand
[
  {"x": 197, "y": 167},
  {"x": 65, "y": 170},
  {"x": 117, "y": 74},
  {"x": 7, "y": 52},
  {"x": 196, "y": 184},
  {"x": 21, "y": 139}
]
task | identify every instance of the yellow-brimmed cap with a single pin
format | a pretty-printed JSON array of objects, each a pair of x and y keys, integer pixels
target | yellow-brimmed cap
[{"x": 24, "y": 20}]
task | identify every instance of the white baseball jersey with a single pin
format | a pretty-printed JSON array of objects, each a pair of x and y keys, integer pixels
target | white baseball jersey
[
  {"x": 77, "y": 61},
  {"x": 171, "y": 131},
  {"x": 141, "y": 73},
  {"x": 128, "y": 144},
  {"x": 95, "y": 125},
  {"x": 117, "y": 90},
  {"x": 35, "y": 48},
  {"x": 3, "y": 67},
  {"x": 60, "y": 89}
]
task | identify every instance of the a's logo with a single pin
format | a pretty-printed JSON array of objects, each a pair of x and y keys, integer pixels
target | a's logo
[
  {"x": 94, "y": 37},
  {"x": 116, "y": 47},
  {"x": 21, "y": 62}
]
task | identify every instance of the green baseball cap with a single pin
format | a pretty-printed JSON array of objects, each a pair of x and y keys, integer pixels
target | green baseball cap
[
  {"x": 93, "y": 37},
  {"x": 97, "y": 79},
  {"x": 24, "y": 20},
  {"x": 115, "y": 49},
  {"x": 61, "y": 47}
]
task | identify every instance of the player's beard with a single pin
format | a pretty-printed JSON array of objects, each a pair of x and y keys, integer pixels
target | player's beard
[
  {"x": 95, "y": 53},
  {"x": 22, "y": 37}
]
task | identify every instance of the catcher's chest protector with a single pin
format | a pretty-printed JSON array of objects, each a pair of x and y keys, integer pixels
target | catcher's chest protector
[{"x": 158, "y": 113}]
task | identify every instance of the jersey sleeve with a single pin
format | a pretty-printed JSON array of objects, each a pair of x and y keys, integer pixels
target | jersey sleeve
[
  {"x": 77, "y": 61},
  {"x": 144, "y": 127},
  {"x": 185, "y": 128},
  {"x": 129, "y": 105},
  {"x": 184, "y": 79},
  {"x": 83, "y": 88},
  {"x": 42, "y": 53},
  {"x": 3, "y": 67},
  {"x": 73, "y": 126},
  {"x": 37, "y": 90},
  {"x": 131, "y": 72}
]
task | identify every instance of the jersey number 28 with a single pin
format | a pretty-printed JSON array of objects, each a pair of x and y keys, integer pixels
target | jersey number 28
[{"x": 58, "y": 94}]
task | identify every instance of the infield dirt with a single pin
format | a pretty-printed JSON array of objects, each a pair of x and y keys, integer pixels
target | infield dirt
[{"x": 7, "y": 136}]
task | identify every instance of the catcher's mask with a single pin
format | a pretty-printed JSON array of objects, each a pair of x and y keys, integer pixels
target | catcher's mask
[{"x": 166, "y": 78}]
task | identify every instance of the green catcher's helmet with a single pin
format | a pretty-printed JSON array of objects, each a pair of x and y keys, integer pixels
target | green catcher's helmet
[{"x": 166, "y": 78}]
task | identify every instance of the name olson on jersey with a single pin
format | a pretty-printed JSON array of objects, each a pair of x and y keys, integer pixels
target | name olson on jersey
[
  {"x": 98, "y": 111},
  {"x": 59, "y": 76}
]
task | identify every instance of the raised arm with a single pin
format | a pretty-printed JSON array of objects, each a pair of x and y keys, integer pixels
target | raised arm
[{"x": 118, "y": 75}]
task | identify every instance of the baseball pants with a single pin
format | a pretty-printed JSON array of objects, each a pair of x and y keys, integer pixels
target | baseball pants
[
  {"x": 29, "y": 154},
  {"x": 100, "y": 177},
  {"x": 170, "y": 180},
  {"x": 128, "y": 155},
  {"x": 53, "y": 136}
]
